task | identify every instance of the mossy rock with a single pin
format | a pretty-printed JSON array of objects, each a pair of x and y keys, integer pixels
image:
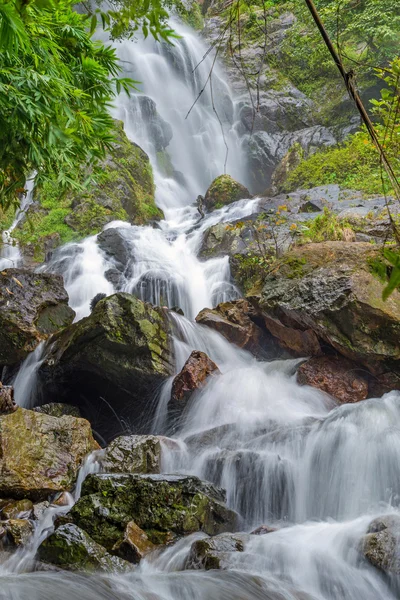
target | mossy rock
[
  {"x": 72, "y": 549},
  {"x": 32, "y": 306},
  {"x": 163, "y": 506},
  {"x": 40, "y": 454},
  {"x": 133, "y": 454},
  {"x": 114, "y": 360},
  {"x": 224, "y": 190},
  {"x": 124, "y": 190}
]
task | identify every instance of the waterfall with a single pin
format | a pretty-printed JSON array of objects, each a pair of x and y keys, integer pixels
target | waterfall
[
  {"x": 287, "y": 455},
  {"x": 10, "y": 255}
]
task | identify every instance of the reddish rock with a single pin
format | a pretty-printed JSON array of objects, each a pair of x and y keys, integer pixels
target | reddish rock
[
  {"x": 192, "y": 377},
  {"x": 337, "y": 376},
  {"x": 297, "y": 341},
  {"x": 234, "y": 320}
]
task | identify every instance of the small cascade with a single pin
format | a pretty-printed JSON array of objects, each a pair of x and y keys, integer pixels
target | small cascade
[
  {"x": 25, "y": 384},
  {"x": 10, "y": 255}
]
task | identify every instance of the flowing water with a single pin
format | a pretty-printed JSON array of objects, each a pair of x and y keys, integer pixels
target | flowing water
[
  {"x": 10, "y": 255},
  {"x": 287, "y": 456}
]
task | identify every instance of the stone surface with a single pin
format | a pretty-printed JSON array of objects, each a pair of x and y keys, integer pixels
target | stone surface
[
  {"x": 58, "y": 409},
  {"x": 163, "y": 506},
  {"x": 193, "y": 376},
  {"x": 111, "y": 363},
  {"x": 18, "y": 532},
  {"x": 331, "y": 289},
  {"x": 17, "y": 509},
  {"x": 211, "y": 553},
  {"x": 234, "y": 320},
  {"x": 71, "y": 548},
  {"x": 134, "y": 545},
  {"x": 224, "y": 190},
  {"x": 32, "y": 306},
  {"x": 133, "y": 454},
  {"x": 7, "y": 402},
  {"x": 380, "y": 545},
  {"x": 40, "y": 454},
  {"x": 339, "y": 377}
]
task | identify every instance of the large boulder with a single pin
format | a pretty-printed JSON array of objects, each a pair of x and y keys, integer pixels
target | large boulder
[
  {"x": 133, "y": 454},
  {"x": 32, "y": 306},
  {"x": 111, "y": 363},
  {"x": 236, "y": 321},
  {"x": 193, "y": 376},
  {"x": 380, "y": 545},
  {"x": 163, "y": 506},
  {"x": 332, "y": 291},
  {"x": 72, "y": 549},
  {"x": 224, "y": 190},
  {"x": 40, "y": 454},
  {"x": 339, "y": 377}
]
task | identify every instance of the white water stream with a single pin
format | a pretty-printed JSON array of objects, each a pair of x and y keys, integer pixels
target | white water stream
[
  {"x": 287, "y": 455},
  {"x": 10, "y": 255}
]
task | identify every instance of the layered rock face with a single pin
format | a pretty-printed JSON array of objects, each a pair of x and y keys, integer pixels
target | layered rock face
[
  {"x": 111, "y": 362},
  {"x": 32, "y": 306}
]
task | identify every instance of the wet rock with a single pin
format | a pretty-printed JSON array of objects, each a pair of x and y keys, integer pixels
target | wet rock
[
  {"x": 61, "y": 499},
  {"x": 213, "y": 553},
  {"x": 263, "y": 530},
  {"x": 134, "y": 545},
  {"x": 18, "y": 532},
  {"x": 192, "y": 377},
  {"x": 234, "y": 320},
  {"x": 32, "y": 306},
  {"x": 111, "y": 363},
  {"x": 7, "y": 402},
  {"x": 17, "y": 509},
  {"x": 163, "y": 506},
  {"x": 330, "y": 289},
  {"x": 38, "y": 509},
  {"x": 288, "y": 163},
  {"x": 210, "y": 437},
  {"x": 380, "y": 545},
  {"x": 224, "y": 190},
  {"x": 133, "y": 454},
  {"x": 40, "y": 454},
  {"x": 71, "y": 548},
  {"x": 58, "y": 409},
  {"x": 339, "y": 377},
  {"x": 114, "y": 244}
]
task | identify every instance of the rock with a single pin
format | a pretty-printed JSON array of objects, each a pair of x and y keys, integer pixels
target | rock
[
  {"x": 40, "y": 454},
  {"x": 192, "y": 377},
  {"x": 234, "y": 320},
  {"x": 111, "y": 363},
  {"x": 58, "y": 409},
  {"x": 133, "y": 454},
  {"x": 7, "y": 402},
  {"x": 62, "y": 499},
  {"x": 331, "y": 289},
  {"x": 380, "y": 545},
  {"x": 163, "y": 506},
  {"x": 32, "y": 306},
  {"x": 38, "y": 509},
  {"x": 115, "y": 245},
  {"x": 135, "y": 544},
  {"x": 17, "y": 509},
  {"x": 289, "y": 162},
  {"x": 263, "y": 530},
  {"x": 123, "y": 191},
  {"x": 224, "y": 190},
  {"x": 210, "y": 553},
  {"x": 18, "y": 531},
  {"x": 339, "y": 377},
  {"x": 73, "y": 549}
]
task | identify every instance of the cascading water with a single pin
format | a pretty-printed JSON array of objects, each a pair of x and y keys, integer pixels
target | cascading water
[
  {"x": 10, "y": 255},
  {"x": 287, "y": 455}
]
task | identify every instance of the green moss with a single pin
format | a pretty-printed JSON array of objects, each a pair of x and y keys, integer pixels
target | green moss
[
  {"x": 224, "y": 190},
  {"x": 190, "y": 13},
  {"x": 325, "y": 227}
]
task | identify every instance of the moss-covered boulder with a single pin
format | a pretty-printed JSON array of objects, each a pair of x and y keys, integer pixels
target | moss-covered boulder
[
  {"x": 133, "y": 454},
  {"x": 380, "y": 545},
  {"x": 111, "y": 363},
  {"x": 224, "y": 190},
  {"x": 163, "y": 506},
  {"x": 73, "y": 549},
  {"x": 332, "y": 291},
  {"x": 124, "y": 190},
  {"x": 39, "y": 454},
  {"x": 58, "y": 409},
  {"x": 32, "y": 306}
]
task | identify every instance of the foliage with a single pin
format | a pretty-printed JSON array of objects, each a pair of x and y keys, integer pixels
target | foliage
[
  {"x": 325, "y": 227},
  {"x": 56, "y": 86}
]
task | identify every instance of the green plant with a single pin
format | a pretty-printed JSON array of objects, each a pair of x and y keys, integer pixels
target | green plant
[{"x": 325, "y": 227}]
